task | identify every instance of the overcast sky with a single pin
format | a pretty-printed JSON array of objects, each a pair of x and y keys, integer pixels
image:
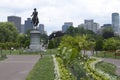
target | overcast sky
[{"x": 53, "y": 13}]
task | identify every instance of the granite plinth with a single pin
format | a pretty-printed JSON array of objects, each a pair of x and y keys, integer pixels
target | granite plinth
[{"x": 35, "y": 44}]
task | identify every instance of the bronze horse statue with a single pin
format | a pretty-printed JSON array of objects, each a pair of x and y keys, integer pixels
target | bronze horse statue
[{"x": 35, "y": 19}]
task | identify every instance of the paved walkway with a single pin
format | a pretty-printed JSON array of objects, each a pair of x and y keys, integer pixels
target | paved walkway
[{"x": 17, "y": 67}]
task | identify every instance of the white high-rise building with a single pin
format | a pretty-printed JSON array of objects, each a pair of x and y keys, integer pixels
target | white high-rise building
[
  {"x": 91, "y": 25},
  {"x": 115, "y": 22},
  {"x": 88, "y": 24}
]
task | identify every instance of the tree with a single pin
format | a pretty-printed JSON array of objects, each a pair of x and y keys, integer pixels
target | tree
[
  {"x": 51, "y": 44},
  {"x": 84, "y": 43},
  {"x": 55, "y": 39},
  {"x": 56, "y": 34},
  {"x": 44, "y": 38},
  {"x": 23, "y": 40},
  {"x": 71, "y": 31},
  {"x": 74, "y": 31},
  {"x": 99, "y": 45},
  {"x": 111, "y": 44},
  {"x": 8, "y": 32},
  {"x": 107, "y": 33}
]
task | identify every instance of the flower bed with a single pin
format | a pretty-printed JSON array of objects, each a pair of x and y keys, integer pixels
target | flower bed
[
  {"x": 61, "y": 72},
  {"x": 96, "y": 73}
]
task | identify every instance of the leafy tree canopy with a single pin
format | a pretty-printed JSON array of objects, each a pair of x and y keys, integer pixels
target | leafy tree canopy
[{"x": 8, "y": 32}]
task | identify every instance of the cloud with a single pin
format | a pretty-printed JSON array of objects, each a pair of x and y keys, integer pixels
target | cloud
[{"x": 53, "y": 13}]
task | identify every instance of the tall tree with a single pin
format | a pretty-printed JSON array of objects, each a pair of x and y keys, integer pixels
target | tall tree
[
  {"x": 107, "y": 33},
  {"x": 8, "y": 32}
]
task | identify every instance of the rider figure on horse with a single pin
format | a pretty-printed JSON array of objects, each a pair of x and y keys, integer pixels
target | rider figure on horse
[{"x": 35, "y": 19}]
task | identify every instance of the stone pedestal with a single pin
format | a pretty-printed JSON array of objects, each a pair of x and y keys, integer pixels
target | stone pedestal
[{"x": 35, "y": 45}]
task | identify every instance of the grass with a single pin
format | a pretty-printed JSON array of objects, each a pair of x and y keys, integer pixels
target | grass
[
  {"x": 104, "y": 54},
  {"x": 2, "y": 58},
  {"x": 20, "y": 52},
  {"x": 50, "y": 52},
  {"x": 10, "y": 52},
  {"x": 106, "y": 67},
  {"x": 43, "y": 70}
]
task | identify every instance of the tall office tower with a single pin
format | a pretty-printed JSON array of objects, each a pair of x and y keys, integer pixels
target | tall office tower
[
  {"x": 88, "y": 24},
  {"x": 91, "y": 25},
  {"x": 115, "y": 22},
  {"x": 66, "y": 26},
  {"x": 41, "y": 28},
  {"x": 16, "y": 21},
  {"x": 28, "y": 25},
  {"x": 95, "y": 27}
]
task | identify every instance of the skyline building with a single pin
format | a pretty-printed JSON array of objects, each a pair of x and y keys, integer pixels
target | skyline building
[
  {"x": 106, "y": 26},
  {"x": 91, "y": 25},
  {"x": 28, "y": 25},
  {"x": 115, "y": 22},
  {"x": 16, "y": 21},
  {"x": 22, "y": 28},
  {"x": 41, "y": 28},
  {"x": 66, "y": 26}
]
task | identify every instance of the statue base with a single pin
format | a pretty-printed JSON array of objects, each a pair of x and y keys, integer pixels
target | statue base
[{"x": 35, "y": 45}]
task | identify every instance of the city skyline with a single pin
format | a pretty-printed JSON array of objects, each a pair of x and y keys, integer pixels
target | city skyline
[{"x": 53, "y": 13}]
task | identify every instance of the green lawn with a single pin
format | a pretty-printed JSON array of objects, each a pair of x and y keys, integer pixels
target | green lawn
[
  {"x": 50, "y": 52},
  {"x": 20, "y": 52},
  {"x": 107, "y": 55},
  {"x": 2, "y": 57},
  {"x": 11, "y": 52},
  {"x": 106, "y": 67},
  {"x": 43, "y": 70}
]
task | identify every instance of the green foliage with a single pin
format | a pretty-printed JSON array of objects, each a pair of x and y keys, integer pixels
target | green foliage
[
  {"x": 54, "y": 42},
  {"x": 108, "y": 33},
  {"x": 43, "y": 70},
  {"x": 99, "y": 45},
  {"x": 8, "y": 45},
  {"x": 73, "y": 31},
  {"x": 44, "y": 38},
  {"x": 8, "y": 32},
  {"x": 106, "y": 54},
  {"x": 69, "y": 41},
  {"x": 68, "y": 55},
  {"x": 23, "y": 40},
  {"x": 65, "y": 73},
  {"x": 106, "y": 67},
  {"x": 83, "y": 42},
  {"x": 51, "y": 44},
  {"x": 96, "y": 74},
  {"x": 111, "y": 44}
]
